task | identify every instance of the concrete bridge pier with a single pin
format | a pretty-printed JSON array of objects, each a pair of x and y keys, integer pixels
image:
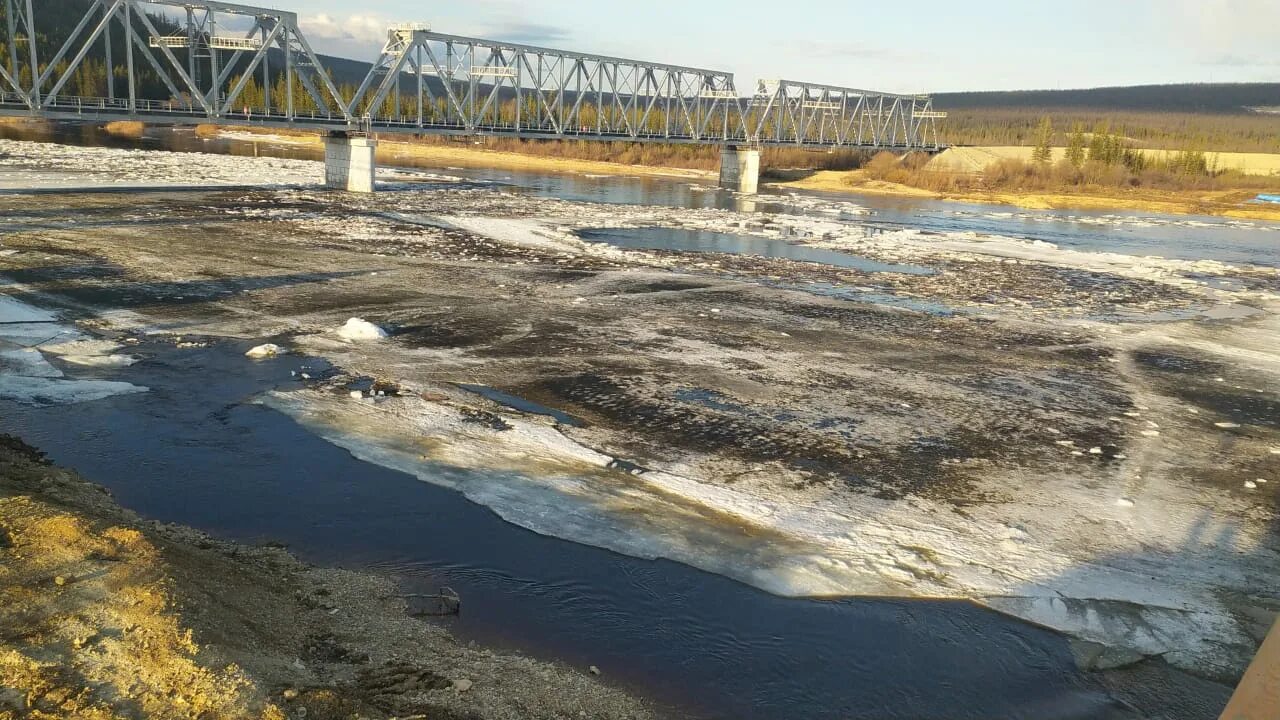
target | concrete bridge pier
[
  {"x": 349, "y": 162},
  {"x": 740, "y": 169}
]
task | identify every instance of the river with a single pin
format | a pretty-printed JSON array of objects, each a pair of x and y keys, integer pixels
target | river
[{"x": 196, "y": 451}]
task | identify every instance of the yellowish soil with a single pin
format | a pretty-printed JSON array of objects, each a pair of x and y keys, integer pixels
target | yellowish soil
[
  {"x": 976, "y": 159},
  {"x": 1224, "y": 203},
  {"x": 476, "y": 156},
  {"x": 90, "y": 630},
  {"x": 851, "y": 181},
  {"x": 125, "y": 128},
  {"x": 104, "y": 616}
]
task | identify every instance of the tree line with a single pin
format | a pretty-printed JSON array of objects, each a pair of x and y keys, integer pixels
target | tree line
[
  {"x": 1103, "y": 147},
  {"x": 1243, "y": 132}
]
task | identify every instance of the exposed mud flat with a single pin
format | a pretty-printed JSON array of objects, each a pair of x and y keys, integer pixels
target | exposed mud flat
[{"x": 1055, "y": 445}]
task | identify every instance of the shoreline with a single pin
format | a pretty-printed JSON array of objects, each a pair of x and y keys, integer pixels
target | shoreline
[
  {"x": 848, "y": 182},
  {"x": 470, "y": 156},
  {"x": 843, "y": 182},
  {"x": 109, "y": 611}
]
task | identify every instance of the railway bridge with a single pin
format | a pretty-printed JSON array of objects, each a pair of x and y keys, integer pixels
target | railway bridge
[{"x": 202, "y": 61}]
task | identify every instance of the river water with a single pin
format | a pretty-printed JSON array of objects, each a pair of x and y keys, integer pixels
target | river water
[{"x": 196, "y": 450}]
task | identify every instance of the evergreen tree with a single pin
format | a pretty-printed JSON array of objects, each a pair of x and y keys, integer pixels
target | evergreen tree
[
  {"x": 1076, "y": 151},
  {"x": 1043, "y": 153},
  {"x": 1099, "y": 143}
]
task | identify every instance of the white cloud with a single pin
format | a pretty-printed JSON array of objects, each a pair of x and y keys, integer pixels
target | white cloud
[
  {"x": 1223, "y": 32},
  {"x": 366, "y": 31}
]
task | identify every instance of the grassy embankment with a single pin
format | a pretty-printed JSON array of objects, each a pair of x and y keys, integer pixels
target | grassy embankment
[{"x": 1007, "y": 176}]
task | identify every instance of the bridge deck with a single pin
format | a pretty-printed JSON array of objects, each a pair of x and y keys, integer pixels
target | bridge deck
[{"x": 66, "y": 110}]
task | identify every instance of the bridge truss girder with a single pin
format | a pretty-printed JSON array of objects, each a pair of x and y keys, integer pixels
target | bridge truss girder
[
  {"x": 787, "y": 112},
  {"x": 198, "y": 87},
  {"x": 429, "y": 82},
  {"x": 484, "y": 86}
]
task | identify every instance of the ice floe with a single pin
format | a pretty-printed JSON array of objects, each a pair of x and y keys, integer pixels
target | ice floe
[
  {"x": 1114, "y": 589},
  {"x": 27, "y": 376},
  {"x": 267, "y": 350},
  {"x": 357, "y": 329},
  {"x": 31, "y": 165}
]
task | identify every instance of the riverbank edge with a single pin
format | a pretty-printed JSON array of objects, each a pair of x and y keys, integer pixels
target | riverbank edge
[
  {"x": 849, "y": 183},
  {"x": 468, "y": 155},
  {"x": 853, "y": 183},
  {"x": 106, "y": 612}
]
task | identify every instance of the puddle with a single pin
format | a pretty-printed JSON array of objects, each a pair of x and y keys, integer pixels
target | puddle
[
  {"x": 515, "y": 402},
  {"x": 708, "y": 399},
  {"x": 679, "y": 239},
  {"x": 1226, "y": 311},
  {"x": 873, "y": 296}
]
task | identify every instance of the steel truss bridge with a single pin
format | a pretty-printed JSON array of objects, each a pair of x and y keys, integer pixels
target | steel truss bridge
[{"x": 422, "y": 82}]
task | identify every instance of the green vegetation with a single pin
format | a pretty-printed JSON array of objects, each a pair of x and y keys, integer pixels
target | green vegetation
[
  {"x": 1043, "y": 153},
  {"x": 1105, "y": 164},
  {"x": 92, "y": 78},
  {"x": 1075, "y": 154},
  {"x": 1186, "y": 98},
  {"x": 1239, "y": 132}
]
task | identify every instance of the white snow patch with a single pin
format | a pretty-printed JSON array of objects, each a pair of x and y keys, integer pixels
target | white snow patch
[
  {"x": 25, "y": 325},
  {"x": 90, "y": 353},
  {"x": 101, "y": 361},
  {"x": 361, "y": 329},
  {"x": 1094, "y": 586},
  {"x": 267, "y": 350},
  {"x": 32, "y": 165}
]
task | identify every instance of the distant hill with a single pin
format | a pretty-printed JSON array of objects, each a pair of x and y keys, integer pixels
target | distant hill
[{"x": 1220, "y": 98}]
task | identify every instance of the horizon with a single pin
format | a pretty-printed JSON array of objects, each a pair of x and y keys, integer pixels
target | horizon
[{"x": 1217, "y": 42}]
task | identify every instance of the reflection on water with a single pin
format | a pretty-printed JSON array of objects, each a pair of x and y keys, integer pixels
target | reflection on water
[
  {"x": 515, "y": 402},
  {"x": 661, "y": 238}
]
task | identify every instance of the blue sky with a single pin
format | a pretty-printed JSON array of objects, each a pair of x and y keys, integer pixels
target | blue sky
[{"x": 913, "y": 46}]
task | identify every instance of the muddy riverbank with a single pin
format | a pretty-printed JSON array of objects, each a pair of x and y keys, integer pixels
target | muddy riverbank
[
  {"x": 108, "y": 615},
  {"x": 1082, "y": 438}
]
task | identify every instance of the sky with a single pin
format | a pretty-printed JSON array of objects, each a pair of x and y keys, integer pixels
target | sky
[{"x": 909, "y": 47}]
